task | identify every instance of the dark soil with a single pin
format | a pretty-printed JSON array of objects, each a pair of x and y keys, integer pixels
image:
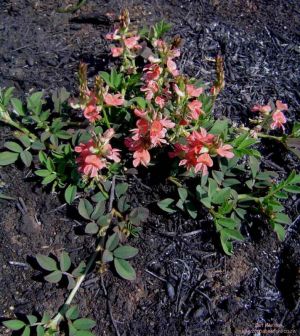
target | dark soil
[{"x": 185, "y": 284}]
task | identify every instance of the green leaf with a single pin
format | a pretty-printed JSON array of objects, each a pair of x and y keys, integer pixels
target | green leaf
[
  {"x": 227, "y": 222},
  {"x": 220, "y": 127},
  {"x": 84, "y": 324},
  {"x": 48, "y": 179},
  {"x": 26, "y": 158},
  {"x": 54, "y": 277},
  {"x": 46, "y": 263},
  {"x": 46, "y": 318},
  {"x": 79, "y": 270},
  {"x": 91, "y": 228},
  {"x": 235, "y": 234},
  {"x": 140, "y": 101},
  {"x": 280, "y": 231},
  {"x": 106, "y": 77},
  {"x": 18, "y": 106},
  {"x": 14, "y": 324},
  {"x": 64, "y": 261},
  {"x": 121, "y": 189},
  {"x": 182, "y": 193},
  {"x": 125, "y": 252},
  {"x": 42, "y": 172},
  {"x": 40, "y": 331},
  {"x": 13, "y": 146},
  {"x": 38, "y": 145},
  {"x": 85, "y": 208},
  {"x": 164, "y": 205},
  {"x": 254, "y": 165},
  {"x": 218, "y": 176},
  {"x": 26, "y": 331},
  {"x": 221, "y": 196},
  {"x": 83, "y": 333},
  {"x": 25, "y": 140},
  {"x": 7, "y": 158},
  {"x": 124, "y": 269},
  {"x": 212, "y": 187},
  {"x": 226, "y": 244},
  {"x": 99, "y": 197},
  {"x": 112, "y": 242},
  {"x": 292, "y": 189},
  {"x": 72, "y": 313},
  {"x": 230, "y": 182},
  {"x": 32, "y": 319},
  {"x": 107, "y": 256},
  {"x": 282, "y": 218},
  {"x": 98, "y": 211},
  {"x": 138, "y": 215},
  {"x": 70, "y": 193},
  {"x": 191, "y": 209}
]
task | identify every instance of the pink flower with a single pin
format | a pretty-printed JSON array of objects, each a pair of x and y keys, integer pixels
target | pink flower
[
  {"x": 140, "y": 113},
  {"x": 192, "y": 91},
  {"x": 278, "y": 120},
  {"x": 116, "y": 51},
  {"x": 131, "y": 42},
  {"x": 150, "y": 89},
  {"x": 160, "y": 101},
  {"x": 280, "y": 106},
  {"x": 225, "y": 151},
  {"x": 152, "y": 72},
  {"x": 141, "y": 156},
  {"x": 195, "y": 108},
  {"x": 113, "y": 36},
  {"x": 114, "y": 100},
  {"x": 204, "y": 161},
  {"x": 262, "y": 108},
  {"x": 172, "y": 67},
  {"x": 91, "y": 113}
]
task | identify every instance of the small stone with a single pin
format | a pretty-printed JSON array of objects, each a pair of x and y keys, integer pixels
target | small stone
[{"x": 30, "y": 61}]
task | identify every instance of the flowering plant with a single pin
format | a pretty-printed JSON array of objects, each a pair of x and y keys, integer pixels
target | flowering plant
[{"x": 143, "y": 107}]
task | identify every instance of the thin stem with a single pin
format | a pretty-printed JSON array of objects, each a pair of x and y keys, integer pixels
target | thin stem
[
  {"x": 106, "y": 118},
  {"x": 267, "y": 136},
  {"x": 20, "y": 128},
  {"x": 54, "y": 323}
]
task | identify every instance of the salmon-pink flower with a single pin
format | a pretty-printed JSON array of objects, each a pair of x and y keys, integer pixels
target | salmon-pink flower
[
  {"x": 131, "y": 42},
  {"x": 225, "y": 151},
  {"x": 204, "y": 161},
  {"x": 265, "y": 109},
  {"x": 152, "y": 72},
  {"x": 150, "y": 89},
  {"x": 91, "y": 112},
  {"x": 278, "y": 120},
  {"x": 160, "y": 101},
  {"x": 113, "y": 36},
  {"x": 172, "y": 67},
  {"x": 116, "y": 51},
  {"x": 141, "y": 156},
  {"x": 192, "y": 91},
  {"x": 195, "y": 108},
  {"x": 140, "y": 113},
  {"x": 280, "y": 106},
  {"x": 113, "y": 100}
]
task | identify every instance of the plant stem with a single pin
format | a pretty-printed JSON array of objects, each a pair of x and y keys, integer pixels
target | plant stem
[
  {"x": 106, "y": 118},
  {"x": 56, "y": 320},
  {"x": 245, "y": 197},
  {"x": 20, "y": 128},
  {"x": 267, "y": 136}
]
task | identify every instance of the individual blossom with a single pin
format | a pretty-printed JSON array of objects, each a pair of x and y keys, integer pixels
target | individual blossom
[
  {"x": 141, "y": 157},
  {"x": 91, "y": 111},
  {"x": 279, "y": 120},
  {"x": 264, "y": 109},
  {"x": 132, "y": 42},
  {"x": 150, "y": 89},
  {"x": 160, "y": 101},
  {"x": 152, "y": 72},
  {"x": 192, "y": 91},
  {"x": 195, "y": 108},
  {"x": 225, "y": 151},
  {"x": 116, "y": 51},
  {"x": 172, "y": 67},
  {"x": 281, "y": 106},
  {"x": 179, "y": 92},
  {"x": 113, "y": 100},
  {"x": 113, "y": 36}
]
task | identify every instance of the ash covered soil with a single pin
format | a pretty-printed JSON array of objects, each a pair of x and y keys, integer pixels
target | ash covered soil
[{"x": 185, "y": 284}]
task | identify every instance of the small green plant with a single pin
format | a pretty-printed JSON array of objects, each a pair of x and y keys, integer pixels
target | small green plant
[{"x": 142, "y": 107}]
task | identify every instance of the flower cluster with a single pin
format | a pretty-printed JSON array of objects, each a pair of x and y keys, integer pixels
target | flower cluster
[
  {"x": 199, "y": 148},
  {"x": 148, "y": 134},
  {"x": 275, "y": 119},
  {"x": 94, "y": 155}
]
